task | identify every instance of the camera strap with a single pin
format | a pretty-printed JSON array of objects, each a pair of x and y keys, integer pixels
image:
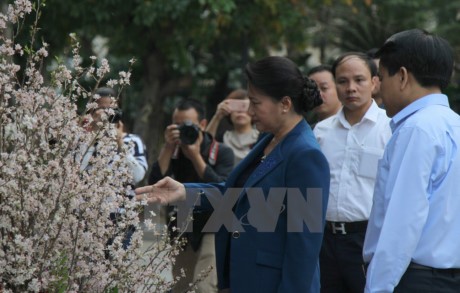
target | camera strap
[{"x": 213, "y": 151}]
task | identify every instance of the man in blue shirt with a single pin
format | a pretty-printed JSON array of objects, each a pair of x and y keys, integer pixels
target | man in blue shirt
[{"x": 412, "y": 241}]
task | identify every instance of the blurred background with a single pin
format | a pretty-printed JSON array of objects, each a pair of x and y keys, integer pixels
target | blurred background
[{"x": 197, "y": 48}]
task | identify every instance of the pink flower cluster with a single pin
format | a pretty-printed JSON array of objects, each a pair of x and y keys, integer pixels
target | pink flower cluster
[{"x": 54, "y": 212}]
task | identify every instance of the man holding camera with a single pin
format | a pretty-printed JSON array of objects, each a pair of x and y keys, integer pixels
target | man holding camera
[
  {"x": 107, "y": 111},
  {"x": 190, "y": 154},
  {"x": 136, "y": 157}
]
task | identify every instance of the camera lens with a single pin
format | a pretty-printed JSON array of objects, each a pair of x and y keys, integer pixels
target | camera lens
[
  {"x": 116, "y": 116},
  {"x": 188, "y": 132}
]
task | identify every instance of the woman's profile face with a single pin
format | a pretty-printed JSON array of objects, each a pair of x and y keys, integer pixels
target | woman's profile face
[{"x": 264, "y": 111}]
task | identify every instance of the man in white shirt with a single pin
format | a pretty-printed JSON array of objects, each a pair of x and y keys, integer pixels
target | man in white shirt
[
  {"x": 352, "y": 141},
  {"x": 412, "y": 242}
]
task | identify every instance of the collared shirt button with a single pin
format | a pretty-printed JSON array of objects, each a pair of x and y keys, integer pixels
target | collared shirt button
[{"x": 236, "y": 235}]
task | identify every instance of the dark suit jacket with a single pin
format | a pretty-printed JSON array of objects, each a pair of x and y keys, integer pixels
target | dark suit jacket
[{"x": 278, "y": 261}]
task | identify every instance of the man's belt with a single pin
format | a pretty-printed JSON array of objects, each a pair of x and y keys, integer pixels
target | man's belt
[
  {"x": 346, "y": 227},
  {"x": 416, "y": 266}
]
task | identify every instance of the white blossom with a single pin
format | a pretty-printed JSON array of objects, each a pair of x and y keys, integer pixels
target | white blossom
[
  {"x": 18, "y": 49},
  {"x": 3, "y": 20},
  {"x": 103, "y": 69},
  {"x": 42, "y": 52},
  {"x": 124, "y": 77},
  {"x": 112, "y": 83},
  {"x": 55, "y": 220},
  {"x": 18, "y": 10}
]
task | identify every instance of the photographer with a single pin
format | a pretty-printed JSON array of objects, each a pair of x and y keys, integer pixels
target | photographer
[
  {"x": 242, "y": 136},
  {"x": 136, "y": 157},
  {"x": 190, "y": 154},
  {"x": 107, "y": 111}
]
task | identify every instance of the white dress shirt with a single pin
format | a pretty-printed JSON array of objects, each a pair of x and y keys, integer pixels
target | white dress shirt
[
  {"x": 416, "y": 211},
  {"x": 353, "y": 152}
]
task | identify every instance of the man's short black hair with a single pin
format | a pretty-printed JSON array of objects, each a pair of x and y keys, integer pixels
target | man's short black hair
[
  {"x": 189, "y": 103},
  {"x": 372, "y": 53},
  {"x": 429, "y": 58},
  {"x": 320, "y": 68},
  {"x": 370, "y": 63},
  {"x": 106, "y": 92}
]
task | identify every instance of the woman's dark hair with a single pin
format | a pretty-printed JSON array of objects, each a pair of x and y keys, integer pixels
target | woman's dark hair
[
  {"x": 428, "y": 57},
  {"x": 370, "y": 63},
  {"x": 238, "y": 94},
  {"x": 278, "y": 77}
]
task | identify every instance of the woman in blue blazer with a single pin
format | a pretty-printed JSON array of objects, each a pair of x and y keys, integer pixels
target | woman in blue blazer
[{"x": 269, "y": 238}]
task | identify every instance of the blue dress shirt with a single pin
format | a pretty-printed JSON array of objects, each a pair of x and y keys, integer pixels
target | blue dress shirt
[{"x": 416, "y": 210}]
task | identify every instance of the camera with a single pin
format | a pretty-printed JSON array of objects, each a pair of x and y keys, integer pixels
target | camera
[
  {"x": 188, "y": 132},
  {"x": 238, "y": 105},
  {"x": 116, "y": 116}
]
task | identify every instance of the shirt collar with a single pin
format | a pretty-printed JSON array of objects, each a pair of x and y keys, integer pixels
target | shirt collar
[
  {"x": 371, "y": 114},
  {"x": 429, "y": 100}
]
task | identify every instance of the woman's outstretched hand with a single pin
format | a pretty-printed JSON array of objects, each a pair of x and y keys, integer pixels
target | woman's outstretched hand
[{"x": 165, "y": 191}]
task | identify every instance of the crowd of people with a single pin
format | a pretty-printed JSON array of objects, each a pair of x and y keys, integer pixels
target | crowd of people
[{"x": 363, "y": 198}]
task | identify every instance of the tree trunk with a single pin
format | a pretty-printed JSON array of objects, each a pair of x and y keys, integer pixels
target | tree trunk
[
  {"x": 152, "y": 118},
  {"x": 150, "y": 122}
]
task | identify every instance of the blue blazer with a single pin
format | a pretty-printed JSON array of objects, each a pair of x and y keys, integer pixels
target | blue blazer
[{"x": 278, "y": 260}]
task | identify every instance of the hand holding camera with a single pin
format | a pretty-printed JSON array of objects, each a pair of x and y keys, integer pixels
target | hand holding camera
[
  {"x": 229, "y": 106},
  {"x": 171, "y": 135},
  {"x": 190, "y": 137},
  {"x": 116, "y": 116},
  {"x": 97, "y": 117},
  {"x": 186, "y": 133},
  {"x": 238, "y": 105},
  {"x": 185, "y": 137}
]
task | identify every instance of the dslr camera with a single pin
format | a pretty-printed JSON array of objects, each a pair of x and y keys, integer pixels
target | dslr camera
[
  {"x": 188, "y": 132},
  {"x": 116, "y": 116}
]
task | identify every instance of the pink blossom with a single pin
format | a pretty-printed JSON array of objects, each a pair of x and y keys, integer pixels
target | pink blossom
[
  {"x": 103, "y": 69},
  {"x": 55, "y": 222},
  {"x": 18, "y": 10}
]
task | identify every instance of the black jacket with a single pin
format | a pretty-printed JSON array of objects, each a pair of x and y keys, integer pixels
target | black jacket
[{"x": 183, "y": 171}]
